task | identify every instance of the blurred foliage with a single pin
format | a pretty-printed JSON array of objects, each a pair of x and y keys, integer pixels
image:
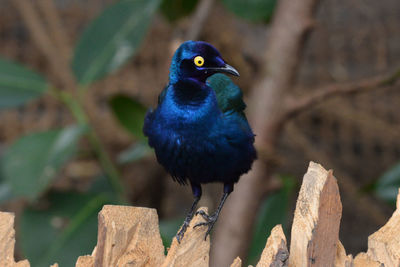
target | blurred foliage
[
  {"x": 5, "y": 189},
  {"x": 135, "y": 152},
  {"x": 130, "y": 113},
  {"x": 112, "y": 38},
  {"x": 62, "y": 232},
  {"x": 18, "y": 84},
  {"x": 273, "y": 211},
  {"x": 387, "y": 186},
  {"x": 32, "y": 162},
  {"x": 65, "y": 225},
  {"x": 168, "y": 230},
  {"x": 253, "y": 10},
  {"x": 176, "y": 9}
]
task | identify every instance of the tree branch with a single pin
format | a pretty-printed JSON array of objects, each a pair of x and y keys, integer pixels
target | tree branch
[
  {"x": 44, "y": 43},
  {"x": 55, "y": 26},
  {"x": 198, "y": 19},
  {"x": 197, "y": 22},
  {"x": 295, "y": 106},
  {"x": 291, "y": 23},
  {"x": 62, "y": 71}
]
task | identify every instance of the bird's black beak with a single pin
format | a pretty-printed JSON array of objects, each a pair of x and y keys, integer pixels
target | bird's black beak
[
  {"x": 229, "y": 69},
  {"x": 225, "y": 69}
]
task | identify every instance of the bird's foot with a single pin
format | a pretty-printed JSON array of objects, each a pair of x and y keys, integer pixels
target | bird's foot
[
  {"x": 203, "y": 214},
  {"x": 210, "y": 221},
  {"x": 181, "y": 233}
]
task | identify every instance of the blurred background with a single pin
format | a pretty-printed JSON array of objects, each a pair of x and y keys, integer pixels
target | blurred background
[{"x": 76, "y": 78}]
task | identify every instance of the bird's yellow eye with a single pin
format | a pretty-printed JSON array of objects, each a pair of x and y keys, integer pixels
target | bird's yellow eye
[{"x": 199, "y": 61}]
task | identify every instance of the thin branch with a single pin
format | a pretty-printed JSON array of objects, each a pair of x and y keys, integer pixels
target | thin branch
[
  {"x": 198, "y": 19},
  {"x": 44, "y": 43},
  {"x": 295, "y": 106},
  {"x": 363, "y": 203},
  {"x": 197, "y": 22},
  {"x": 55, "y": 26},
  {"x": 61, "y": 69}
]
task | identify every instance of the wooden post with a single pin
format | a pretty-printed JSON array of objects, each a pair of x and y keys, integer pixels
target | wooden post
[
  {"x": 85, "y": 261},
  {"x": 315, "y": 228},
  {"x": 237, "y": 262},
  {"x": 129, "y": 236},
  {"x": 342, "y": 260},
  {"x": 7, "y": 242},
  {"x": 275, "y": 252},
  {"x": 193, "y": 249},
  {"x": 384, "y": 245},
  {"x": 364, "y": 260}
]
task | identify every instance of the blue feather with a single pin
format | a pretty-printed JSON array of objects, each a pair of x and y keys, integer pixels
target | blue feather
[{"x": 199, "y": 130}]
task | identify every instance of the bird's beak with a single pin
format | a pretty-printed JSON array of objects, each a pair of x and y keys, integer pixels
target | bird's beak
[
  {"x": 225, "y": 69},
  {"x": 229, "y": 69}
]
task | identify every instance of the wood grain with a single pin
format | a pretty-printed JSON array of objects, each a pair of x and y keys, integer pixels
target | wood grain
[
  {"x": 128, "y": 236},
  {"x": 384, "y": 245},
  {"x": 7, "y": 242},
  {"x": 315, "y": 228},
  {"x": 275, "y": 252},
  {"x": 193, "y": 249}
]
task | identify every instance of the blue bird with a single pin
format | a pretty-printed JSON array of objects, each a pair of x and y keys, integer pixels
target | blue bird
[{"x": 199, "y": 131}]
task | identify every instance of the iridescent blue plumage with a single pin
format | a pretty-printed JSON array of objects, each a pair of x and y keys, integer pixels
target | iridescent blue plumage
[{"x": 199, "y": 131}]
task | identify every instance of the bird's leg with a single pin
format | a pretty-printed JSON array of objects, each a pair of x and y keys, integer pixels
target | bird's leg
[
  {"x": 211, "y": 220},
  {"x": 196, "y": 189}
]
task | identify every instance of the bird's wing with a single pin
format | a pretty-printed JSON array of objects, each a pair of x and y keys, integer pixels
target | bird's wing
[{"x": 229, "y": 95}]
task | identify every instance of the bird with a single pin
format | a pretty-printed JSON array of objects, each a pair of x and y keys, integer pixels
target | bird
[{"x": 199, "y": 130}]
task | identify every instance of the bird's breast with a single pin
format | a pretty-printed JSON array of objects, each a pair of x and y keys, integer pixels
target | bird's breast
[{"x": 189, "y": 115}]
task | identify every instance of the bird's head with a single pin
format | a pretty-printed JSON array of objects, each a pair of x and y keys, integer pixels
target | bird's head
[{"x": 197, "y": 60}]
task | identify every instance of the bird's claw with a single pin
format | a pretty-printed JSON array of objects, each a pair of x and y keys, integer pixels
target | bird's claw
[
  {"x": 210, "y": 221},
  {"x": 203, "y": 214},
  {"x": 181, "y": 233}
]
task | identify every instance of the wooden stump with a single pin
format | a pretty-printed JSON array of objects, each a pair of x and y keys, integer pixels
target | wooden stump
[
  {"x": 275, "y": 252},
  {"x": 193, "y": 250},
  {"x": 129, "y": 236},
  {"x": 342, "y": 260},
  {"x": 384, "y": 245},
  {"x": 364, "y": 260},
  {"x": 315, "y": 228},
  {"x": 7, "y": 242},
  {"x": 237, "y": 262}
]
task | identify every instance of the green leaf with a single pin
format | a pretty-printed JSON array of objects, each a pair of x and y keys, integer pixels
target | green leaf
[
  {"x": 32, "y": 162},
  {"x": 102, "y": 185},
  {"x": 273, "y": 211},
  {"x": 253, "y": 10},
  {"x": 112, "y": 38},
  {"x": 5, "y": 192},
  {"x": 64, "y": 231},
  {"x": 168, "y": 230},
  {"x": 18, "y": 84},
  {"x": 176, "y": 9},
  {"x": 134, "y": 152},
  {"x": 388, "y": 184},
  {"x": 130, "y": 114}
]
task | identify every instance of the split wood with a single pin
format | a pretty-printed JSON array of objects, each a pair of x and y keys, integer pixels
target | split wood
[{"x": 129, "y": 236}]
